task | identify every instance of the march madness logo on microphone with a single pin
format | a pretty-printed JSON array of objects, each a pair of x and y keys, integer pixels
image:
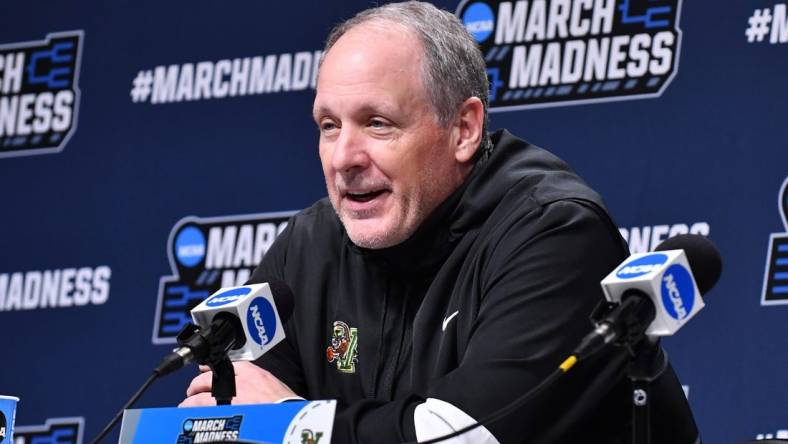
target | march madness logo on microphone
[
  {"x": 557, "y": 52},
  {"x": 205, "y": 255},
  {"x": 39, "y": 94},
  {"x": 775, "y": 280}
]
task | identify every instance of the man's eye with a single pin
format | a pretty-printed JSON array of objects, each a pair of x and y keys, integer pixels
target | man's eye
[
  {"x": 327, "y": 126},
  {"x": 378, "y": 124}
]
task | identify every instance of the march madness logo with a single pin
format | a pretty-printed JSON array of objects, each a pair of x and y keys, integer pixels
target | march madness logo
[
  {"x": 39, "y": 94},
  {"x": 205, "y": 255},
  {"x": 210, "y": 430},
  {"x": 775, "y": 280},
  {"x": 54, "y": 431},
  {"x": 543, "y": 53}
]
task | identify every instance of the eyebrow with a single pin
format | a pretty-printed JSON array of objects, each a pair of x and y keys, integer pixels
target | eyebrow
[
  {"x": 319, "y": 111},
  {"x": 366, "y": 109}
]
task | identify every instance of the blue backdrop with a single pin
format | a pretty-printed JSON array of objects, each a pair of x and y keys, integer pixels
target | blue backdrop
[{"x": 122, "y": 124}]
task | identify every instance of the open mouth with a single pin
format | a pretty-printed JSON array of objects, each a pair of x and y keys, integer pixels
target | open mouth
[{"x": 364, "y": 197}]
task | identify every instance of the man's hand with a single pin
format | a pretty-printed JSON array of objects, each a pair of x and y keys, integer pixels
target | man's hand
[{"x": 253, "y": 385}]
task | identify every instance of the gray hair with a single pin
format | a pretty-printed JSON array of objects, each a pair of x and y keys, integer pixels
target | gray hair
[{"x": 454, "y": 68}]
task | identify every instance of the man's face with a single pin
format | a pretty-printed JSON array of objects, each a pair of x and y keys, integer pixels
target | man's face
[{"x": 386, "y": 160}]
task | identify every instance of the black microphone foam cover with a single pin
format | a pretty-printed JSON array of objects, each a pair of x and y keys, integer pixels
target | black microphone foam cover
[{"x": 703, "y": 256}]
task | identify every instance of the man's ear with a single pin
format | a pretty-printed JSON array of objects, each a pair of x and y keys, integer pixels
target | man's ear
[{"x": 469, "y": 126}]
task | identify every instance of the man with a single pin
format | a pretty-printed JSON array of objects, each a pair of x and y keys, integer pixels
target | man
[{"x": 448, "y": 272}]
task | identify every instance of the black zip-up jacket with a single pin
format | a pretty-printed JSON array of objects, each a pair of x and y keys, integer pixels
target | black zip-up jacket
[{"x": 518, "y": 252}]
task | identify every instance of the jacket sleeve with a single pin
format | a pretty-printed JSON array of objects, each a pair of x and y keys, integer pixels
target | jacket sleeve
[
  {"x": 539, "y": 285},
  {"x": 283, "y": 360}
]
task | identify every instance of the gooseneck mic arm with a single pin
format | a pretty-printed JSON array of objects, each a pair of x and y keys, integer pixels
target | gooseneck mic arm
[
  {"x": 208, "y": 347},
  {"x": 128, "y": 404}
]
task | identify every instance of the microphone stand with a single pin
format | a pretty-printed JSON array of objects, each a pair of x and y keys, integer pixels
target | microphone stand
[
  {"x": 629, "y": 319},
  {"x": 647, "y": 364},
  {"x": 223, "y": 386},
  {"x": 210, "y": 348}
]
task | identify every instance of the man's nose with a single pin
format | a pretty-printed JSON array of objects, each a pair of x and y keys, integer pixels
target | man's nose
[{"x": 350, "y": 151}]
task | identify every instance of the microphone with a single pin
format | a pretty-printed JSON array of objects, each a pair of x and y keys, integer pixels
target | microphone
[
  {"x": 235, "y": 323},
  {"x": 655, "y": 293},
  {"x": 242, "y": 323}
]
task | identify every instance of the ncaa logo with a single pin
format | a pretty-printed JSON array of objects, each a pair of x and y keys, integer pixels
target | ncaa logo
[
  {"x": 642, "y": 265},
  {"x": 479, "y": 21},
  {"x": 678, "y": 292},
  {"x": 261, "y": 321},
  {"x": 205, "y": 255},
  {"x": 190, "y": 246},
  {"x": 228, "y": 297}
]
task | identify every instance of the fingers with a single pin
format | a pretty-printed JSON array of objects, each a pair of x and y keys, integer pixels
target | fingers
[
  {"x": 198, "y": 400},
  {"x": 242, "y": 364},
  {"x": 254, "y": 385},
  {"x": 200, "y": 384},
  {"x": 244, "y": 367}
]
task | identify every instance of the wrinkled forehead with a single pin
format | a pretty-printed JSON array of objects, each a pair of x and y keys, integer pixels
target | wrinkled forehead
[
  {"x": 392, "y": 45},
  {"x": 375, "y": 30},
  {"x": 377, "y": 60}
]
